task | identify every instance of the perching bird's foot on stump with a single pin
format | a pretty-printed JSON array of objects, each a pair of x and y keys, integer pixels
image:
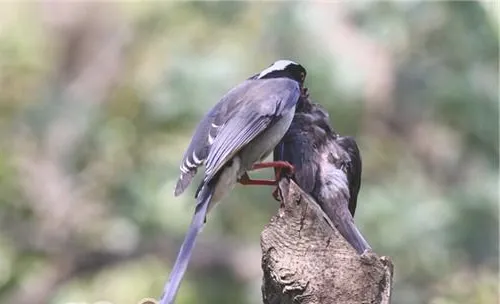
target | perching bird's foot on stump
[
  {"x": 246, "y": 180},
  {"x": 278, "y": 165},
  {"x": 275, "y": 164},
  {"x": 306, "y": 260}
]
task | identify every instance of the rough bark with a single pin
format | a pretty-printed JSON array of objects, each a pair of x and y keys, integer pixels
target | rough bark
[{"x": 305, "y": 260}]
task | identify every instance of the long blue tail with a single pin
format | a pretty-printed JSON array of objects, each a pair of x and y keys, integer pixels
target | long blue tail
[{"x": 181, "y": 263}]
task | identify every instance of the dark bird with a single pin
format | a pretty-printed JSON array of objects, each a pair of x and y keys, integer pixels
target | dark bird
[
  {"x": 240, "y": 130},
  {"x": 327, "y": 166}
]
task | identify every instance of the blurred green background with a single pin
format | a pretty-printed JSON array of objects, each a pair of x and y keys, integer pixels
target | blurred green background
[{"x": 98, "y": 102}]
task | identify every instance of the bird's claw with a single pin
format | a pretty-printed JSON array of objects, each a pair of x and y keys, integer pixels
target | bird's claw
[
  {"x": 276, "y": 194},
  {"x": 246, "y": 180},
  {"x": 289, "y": 169}
]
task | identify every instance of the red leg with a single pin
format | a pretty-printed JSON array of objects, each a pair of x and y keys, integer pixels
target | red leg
[
  {"x": 274, "y": 164},
  {"x": 278, "y": 165},
  {"x": 245, "y": 180}
]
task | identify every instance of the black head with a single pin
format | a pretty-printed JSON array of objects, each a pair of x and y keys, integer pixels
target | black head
[{"x": 284, "y": 68}]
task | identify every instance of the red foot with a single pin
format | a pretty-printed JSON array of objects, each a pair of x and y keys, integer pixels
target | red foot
[
  {"x": 275, "y": 164},
  {"x": 278, "y": 166},
  {"x": 246, "y": 180}
]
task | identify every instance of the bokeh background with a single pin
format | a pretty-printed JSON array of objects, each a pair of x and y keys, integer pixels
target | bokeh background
[{"x": 98, "y": 102}]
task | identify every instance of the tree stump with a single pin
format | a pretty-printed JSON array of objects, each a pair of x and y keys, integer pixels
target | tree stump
[{"x": 305, "y": 260}]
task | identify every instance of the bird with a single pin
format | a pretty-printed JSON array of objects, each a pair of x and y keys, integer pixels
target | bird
[
  {"x": 239, "y": 132},
  {"x": 327, "y": 166}
]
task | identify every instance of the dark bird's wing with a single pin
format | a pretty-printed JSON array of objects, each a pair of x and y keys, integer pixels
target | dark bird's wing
[
  {"x": 296, "y": 147},
  {"x": 353, "y": 169}
]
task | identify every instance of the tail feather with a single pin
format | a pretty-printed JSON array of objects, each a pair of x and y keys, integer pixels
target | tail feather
[
  {"x": 352, "y": 234},
  {"x": 338, "y": 213},
  {"x": 181, "y": 263}
]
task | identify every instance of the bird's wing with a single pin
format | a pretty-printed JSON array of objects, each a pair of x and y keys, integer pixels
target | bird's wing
[
  {"x": 197, "y": 150},
  {"x": 296, "y": 147},
  {"x": 353, "y": 169},
  {"x": 205, "y": 134},
  {"x": 258, "y": 109}
]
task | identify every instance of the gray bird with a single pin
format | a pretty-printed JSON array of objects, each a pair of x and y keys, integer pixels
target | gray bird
[
  {"x": 240, "y": 130},
  {"x": 327, "y": 166}
]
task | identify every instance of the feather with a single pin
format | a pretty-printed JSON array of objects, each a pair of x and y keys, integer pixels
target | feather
[
  {"x": 237, "y": 133},
  {"x": 244, "y": 113},
  {"x": 268, "y": 97},
  {"x": 351, "y": 233},
  {"x": 353, "y": 169},
  {"x": 327, "y": 166},
  {"x": 181, "y": 263},
  {"x": 297, "y": 150},
  {"x": 258, "y": 111},
  {"x": 333, "y": 199}
]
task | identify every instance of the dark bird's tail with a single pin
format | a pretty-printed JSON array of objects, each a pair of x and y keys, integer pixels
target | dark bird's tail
[
  {"x": 351, "y": 233},
  {"x": 181, "y": 263},
  {"x": 336, "y": 209}
]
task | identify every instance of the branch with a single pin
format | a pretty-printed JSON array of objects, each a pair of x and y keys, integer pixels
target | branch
[{"x": 304, "y": 260}]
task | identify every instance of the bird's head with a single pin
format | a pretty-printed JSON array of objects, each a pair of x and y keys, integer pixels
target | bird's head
[{"x": 284, "y": 68}]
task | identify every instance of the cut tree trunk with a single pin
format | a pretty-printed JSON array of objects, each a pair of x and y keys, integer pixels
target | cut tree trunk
[{"x": 305, "y": 260}]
